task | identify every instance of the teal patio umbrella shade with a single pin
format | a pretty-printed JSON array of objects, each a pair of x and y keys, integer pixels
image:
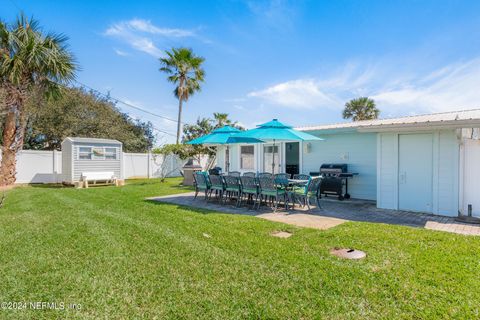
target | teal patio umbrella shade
[
  {"x": 224, "y": 135},
  {"x": 276, "y": 131},
  {"x": 217, "y": 136}
]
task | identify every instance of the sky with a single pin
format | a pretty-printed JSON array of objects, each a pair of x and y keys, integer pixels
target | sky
[{"x": 298, "y": 61}]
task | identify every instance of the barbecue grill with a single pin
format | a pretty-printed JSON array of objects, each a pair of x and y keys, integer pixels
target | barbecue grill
[{"x": 335, "y": 178}]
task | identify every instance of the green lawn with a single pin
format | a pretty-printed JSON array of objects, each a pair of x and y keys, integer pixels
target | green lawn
[{"x": 119, "y": 256}]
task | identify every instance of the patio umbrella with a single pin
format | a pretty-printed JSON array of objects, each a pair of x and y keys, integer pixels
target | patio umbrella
[
  {"x": 224, "y": 135},
  {"x": 276, "y": 131}
]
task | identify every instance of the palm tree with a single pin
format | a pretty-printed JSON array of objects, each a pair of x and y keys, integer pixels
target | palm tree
[
  {"x": 31, "y": 63},
  {"x": 361, "y": 108},
  {"x": 185, "y": 71}
]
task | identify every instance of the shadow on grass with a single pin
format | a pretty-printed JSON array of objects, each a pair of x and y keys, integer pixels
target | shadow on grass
[{"x": 48, "y": 185}]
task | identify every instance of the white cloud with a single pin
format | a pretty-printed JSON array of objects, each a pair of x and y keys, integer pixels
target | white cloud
[
  {"x": 301, "y": 93},
  {"x": 121, "y": 53},
  {"x": 450, "y": 87},
  {"x": 141, "y": 35},
  {"x": 147, "y": 26},
  {"x": 279, "y": 14}
]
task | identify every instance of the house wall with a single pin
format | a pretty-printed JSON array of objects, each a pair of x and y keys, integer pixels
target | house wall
[
  {"x": 358, "y": 150},
  {"x": 445, "y": 164}
]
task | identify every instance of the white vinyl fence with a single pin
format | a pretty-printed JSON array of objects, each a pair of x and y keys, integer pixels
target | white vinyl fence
[{"x": 35, "y": 166}]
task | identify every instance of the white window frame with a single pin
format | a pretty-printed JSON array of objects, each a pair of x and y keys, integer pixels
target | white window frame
[
  {"x": 93, "y": 157},
  {"x": 240, "y": 157}
]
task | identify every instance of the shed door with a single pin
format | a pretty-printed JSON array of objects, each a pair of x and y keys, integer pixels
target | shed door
[
  {"x": 472, "y": 177},
  {"x": 415, "y": 172}
]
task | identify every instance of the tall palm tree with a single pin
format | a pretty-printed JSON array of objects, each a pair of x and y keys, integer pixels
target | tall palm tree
[
  {"x": 361, "y": 108},
  {"x": 31, "y": 63},
  {"x": 185, "y": 71}
]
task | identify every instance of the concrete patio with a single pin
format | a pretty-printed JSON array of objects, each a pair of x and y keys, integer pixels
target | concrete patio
[{"x": 332, "y": 213}]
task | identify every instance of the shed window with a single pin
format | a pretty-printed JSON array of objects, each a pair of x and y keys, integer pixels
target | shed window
[
  {"x": 111, "y": 153},
  {"x": 97, "y": 153},
  {"x": 85, "y": 153},
  {"x": 247, "y": 157}
]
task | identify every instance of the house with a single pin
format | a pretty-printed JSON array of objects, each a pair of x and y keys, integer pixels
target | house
[
  {"x": 90, "y": 155},
  {"x": 425, "y": 163}
]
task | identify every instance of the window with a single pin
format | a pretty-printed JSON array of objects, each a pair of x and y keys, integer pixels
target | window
[
  {"x": 97, "y": 153},
  {"x": 111, "y": 153},
  {"x": 247, "y": 157},
  {"x": 85, "y": 153}
]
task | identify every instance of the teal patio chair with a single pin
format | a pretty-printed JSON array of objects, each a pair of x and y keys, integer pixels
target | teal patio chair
[
  {"x": 202, "y": 183},
  {"x": 218, "y": 185},
  {"x": 232, "y": 188},
  {"x": 271, "y": 190},
  {"x": 310, "y": 191},
  {"x": 249, "y": 189}
]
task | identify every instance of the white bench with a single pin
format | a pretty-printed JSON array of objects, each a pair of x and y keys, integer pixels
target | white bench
[{"x": 97, "y": 179}]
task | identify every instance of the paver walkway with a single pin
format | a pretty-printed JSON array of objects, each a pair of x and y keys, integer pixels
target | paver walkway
[{"x": 332, "y": 213}]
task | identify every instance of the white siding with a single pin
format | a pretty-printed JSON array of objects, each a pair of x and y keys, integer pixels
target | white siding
[
  {"x": 220, "y": 157},
  {"x": 358, "y": 150},
  {"x": 448, "y": 150},
  {"x": 387, "y": 171}
]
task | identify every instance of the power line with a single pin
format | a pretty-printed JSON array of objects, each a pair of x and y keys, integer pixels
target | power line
[
  {"x": 132, "y": 106},
  {"x": 15, "y": 5},
  {"x": 128, "y": 104}
]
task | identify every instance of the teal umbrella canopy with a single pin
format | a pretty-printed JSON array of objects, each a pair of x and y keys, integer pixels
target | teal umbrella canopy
[
  {"x": 275, "y": 130},
  {"x": 224, "y": 135}
]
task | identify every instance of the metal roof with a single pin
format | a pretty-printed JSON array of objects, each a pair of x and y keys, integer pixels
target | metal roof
[
  {"x": 452, "y": 119},
  {"x": 93, "y": 140}
]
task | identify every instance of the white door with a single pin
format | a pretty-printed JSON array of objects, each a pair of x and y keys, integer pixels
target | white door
[
  {"x": 471, "y": 186},
  {"x": 415, "y": 173},
  {"x": 271, "y": 155}
]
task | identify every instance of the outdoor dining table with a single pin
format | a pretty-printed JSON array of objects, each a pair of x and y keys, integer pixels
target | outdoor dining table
[{"x": 289, "y": 184}]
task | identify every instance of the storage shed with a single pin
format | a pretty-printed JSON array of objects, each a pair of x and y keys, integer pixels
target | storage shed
[{"x": 90, "y": 155}]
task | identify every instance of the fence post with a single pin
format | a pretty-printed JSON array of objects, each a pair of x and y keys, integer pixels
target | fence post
[
  {"x": 55, "y": 166},
  {"x": 149, "y": 159}
]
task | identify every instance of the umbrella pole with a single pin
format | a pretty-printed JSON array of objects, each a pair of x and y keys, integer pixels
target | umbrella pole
[
  {"x": 273, "y": 157},
  {"x": 228, "y": 159}
]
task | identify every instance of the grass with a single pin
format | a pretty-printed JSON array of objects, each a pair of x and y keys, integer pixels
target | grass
[{"x": 119, "y": 256}]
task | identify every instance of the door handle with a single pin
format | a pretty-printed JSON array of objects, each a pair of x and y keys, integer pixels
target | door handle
[{"x": 403, "y": 177}]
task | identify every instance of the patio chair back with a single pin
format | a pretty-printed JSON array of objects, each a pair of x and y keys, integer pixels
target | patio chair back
[
  {"x": 203, "y": 182},
  {"x": 232, "y": 183},
  {"x": 265, "y": 175},
  {"x": 314, "y": 186},
  {"x": 217, "y": 182},
  {"x": 267, "y": 184},
  {"x": 301, "y": 176},
  {"x": 249, "y": 174},
  {"x": 234, "y": 173},
  {"x": 282, "y": 176},
  {"x": 249, "y": 184}
]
